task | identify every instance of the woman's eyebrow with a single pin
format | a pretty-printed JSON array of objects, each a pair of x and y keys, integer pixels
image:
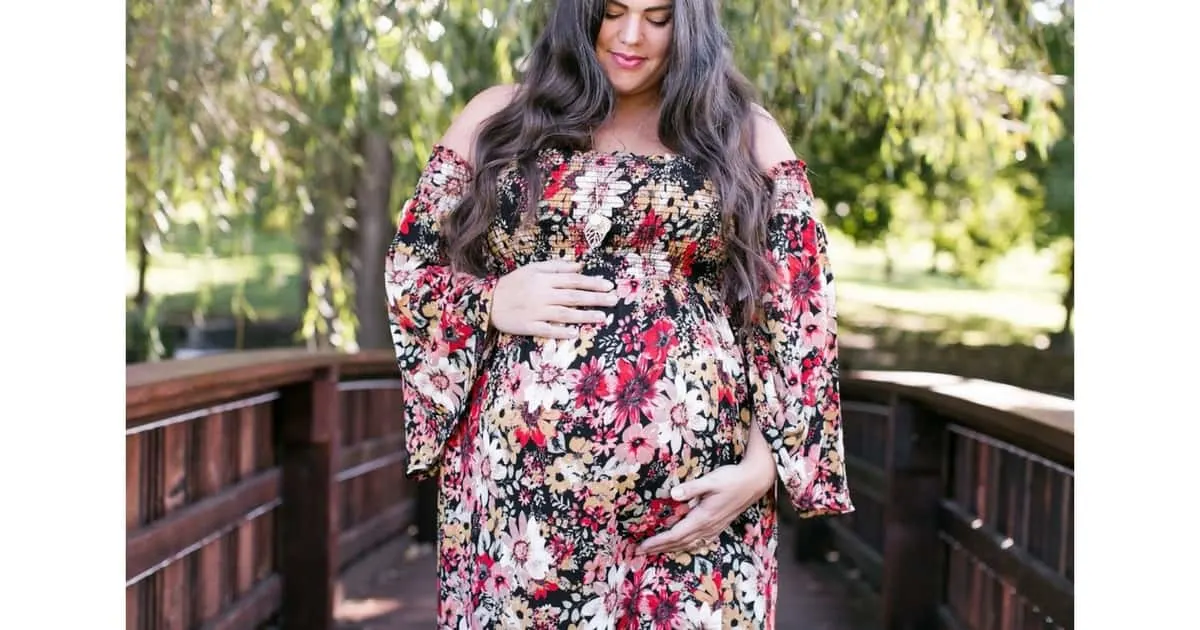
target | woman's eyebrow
[{"x": 661, "y": 7}]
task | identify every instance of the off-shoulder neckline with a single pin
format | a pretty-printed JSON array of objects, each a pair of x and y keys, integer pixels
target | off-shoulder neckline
[{"x": 773, "y": 171}]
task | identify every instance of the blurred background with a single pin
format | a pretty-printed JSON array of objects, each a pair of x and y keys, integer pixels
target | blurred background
[{"x": 271, "y": 143}]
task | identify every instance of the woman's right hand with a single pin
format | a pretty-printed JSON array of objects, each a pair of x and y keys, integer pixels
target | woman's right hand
[{"x": 549, "y": 299}]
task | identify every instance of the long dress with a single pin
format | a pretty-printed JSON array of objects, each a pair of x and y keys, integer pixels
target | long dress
[{"x": 556, "y": 458}]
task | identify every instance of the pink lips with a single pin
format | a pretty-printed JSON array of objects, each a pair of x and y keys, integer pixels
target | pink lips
[{"x": 627, "y": 62}]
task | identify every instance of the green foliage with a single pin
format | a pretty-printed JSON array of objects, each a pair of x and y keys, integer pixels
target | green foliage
[{"x": 937, "y": 121}]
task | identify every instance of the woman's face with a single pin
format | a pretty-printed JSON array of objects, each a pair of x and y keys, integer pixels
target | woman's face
[{"x": 633, "y": 44}]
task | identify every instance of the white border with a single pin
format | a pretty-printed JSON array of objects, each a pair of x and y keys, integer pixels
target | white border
[
  {"x": 62, "y": 126},
  {"x": 1137, "y": 141},
  {"x": 1138, "y": 238}
]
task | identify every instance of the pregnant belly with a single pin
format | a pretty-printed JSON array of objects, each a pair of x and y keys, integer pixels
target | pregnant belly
[{"x": 614, "y": 427}]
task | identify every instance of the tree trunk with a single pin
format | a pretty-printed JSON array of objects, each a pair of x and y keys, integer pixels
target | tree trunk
[
  {"x": 374, "y": 231},
  {"x": 889, "y": 262},
  {"x": 143, "y": 261},
  {"x": 1068, "y": 300},
  {"x": 312, "y": 287}
]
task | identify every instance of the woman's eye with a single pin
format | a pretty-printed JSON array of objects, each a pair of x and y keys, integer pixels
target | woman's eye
[{"x": 612, "y": 16}]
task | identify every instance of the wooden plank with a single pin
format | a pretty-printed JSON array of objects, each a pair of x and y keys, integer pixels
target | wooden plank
[
  {"x": 369, "y": 364},
  {"x": 352, "y": 493},
  {"x": 134, "y": 446},
  {"x": 211, "y": 468},
  {"x": 861, "y": 555},
  {"x": 170, "y": 536},
  {"x": 160, "y": 388},
  {"x": 370, "y": 410},
  {"x": 354, "y": 419},
  {"x": 173, "y": 596},
  {"x": 391, "y": 401},
  {"x": 910, "y": 535},
  {"x": 955, "y": 579},
  {"x": 264, "y": 546},
  {"x": 354, "y": 543},
  {"x": 947, "y": 620},
  {"x": 1067, "y": 562},
  {"x": 1037, "y": 422},
  {"x": 374, "y": 499},
  {"x": 133, "y": 607},
  {"x": 264, "y": 527},
  {"x": 306, "y": 417},
  {"x": 173, "y": 386},
  {"x": 266, "y": 454},
  {"x": 217, "y": 393},
  {"x": 361, "y": 495},
  {"x": 867, "y": 479},
  {"x": 1030, "y": 577},
  {"x": 245, "y": 426},
  {"x": 252, "y": 610}
]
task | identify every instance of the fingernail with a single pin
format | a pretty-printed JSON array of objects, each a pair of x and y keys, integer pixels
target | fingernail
[{"x": 676, "y": 493}]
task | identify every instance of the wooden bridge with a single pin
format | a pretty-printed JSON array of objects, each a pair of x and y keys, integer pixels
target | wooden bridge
[{"x": 266, "y": 490}]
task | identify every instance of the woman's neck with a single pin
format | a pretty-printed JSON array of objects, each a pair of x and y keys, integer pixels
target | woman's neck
[
  {"x": 633, "y": 125},
  {"x": 636, "y": 108}
]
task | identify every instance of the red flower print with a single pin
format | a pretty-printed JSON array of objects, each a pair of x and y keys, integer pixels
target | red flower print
[
  {"x": 805, "y": 282},
  {"x": 591, "y": 386},
  {"x": 660, "y": 516},
  {"x": 648, "y": 232},
  {"x": 659, "y": 339},
  {"x": 556, "y": 181},
  {"x": 632, "y": 388},
  {"x": 663, "y": 608},
  {"x": 456, "y": 332}
]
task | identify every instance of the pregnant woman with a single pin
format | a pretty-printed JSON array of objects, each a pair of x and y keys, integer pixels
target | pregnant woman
[{"x": 614, "y": 317}]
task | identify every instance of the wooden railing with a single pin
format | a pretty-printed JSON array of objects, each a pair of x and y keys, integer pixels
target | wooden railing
[
  {"x": 252, "y": 478},
  {"x": 964, "y": 492}
]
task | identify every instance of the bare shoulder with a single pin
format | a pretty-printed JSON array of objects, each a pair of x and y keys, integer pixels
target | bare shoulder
[
  {"x": 460, "y": 136},
  {"x": 771, "y": 145}
]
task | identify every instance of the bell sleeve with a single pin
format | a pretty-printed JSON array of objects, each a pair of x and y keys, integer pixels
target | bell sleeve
[
  {"x": 439, "y": 317},
  {"x": 793, "y": 353}
]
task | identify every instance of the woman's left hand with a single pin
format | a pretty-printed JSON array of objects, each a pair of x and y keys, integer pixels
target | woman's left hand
[{"x": 723, "y": 495}]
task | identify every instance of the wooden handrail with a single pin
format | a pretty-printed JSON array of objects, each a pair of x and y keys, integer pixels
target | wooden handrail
[
  {"x": 1038, "y": 422},
  {"x": 327, "y": 440},
  {"x": 252, "y": 478},
  {"x": 970, "y": 480},
  {"x": 165, "y": 387}
]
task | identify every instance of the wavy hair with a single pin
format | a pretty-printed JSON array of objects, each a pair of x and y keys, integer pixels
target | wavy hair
[{"x": 707, "y": 115}]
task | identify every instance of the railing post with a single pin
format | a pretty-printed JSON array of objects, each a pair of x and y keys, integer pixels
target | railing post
[
  {"x": 307, "y": 423},
  {"x": 912, "y": 566}
]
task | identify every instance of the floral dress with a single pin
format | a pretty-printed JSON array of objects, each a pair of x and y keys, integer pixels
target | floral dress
[{"x": 556, "y": 458}]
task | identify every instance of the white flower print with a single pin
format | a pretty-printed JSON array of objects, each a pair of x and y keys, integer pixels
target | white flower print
[
  {"x": 546, "y": 381},
  {"x": 442, "y": 382},
  {"x": 600, "y": 189}
]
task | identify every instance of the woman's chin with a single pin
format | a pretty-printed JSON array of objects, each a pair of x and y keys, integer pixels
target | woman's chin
[{"x": 626, "y": 88}]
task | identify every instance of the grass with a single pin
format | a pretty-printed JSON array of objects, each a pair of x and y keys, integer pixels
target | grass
[
  {"x": 269, "y": 277},
  {"x": 1020, "y": 303}
]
